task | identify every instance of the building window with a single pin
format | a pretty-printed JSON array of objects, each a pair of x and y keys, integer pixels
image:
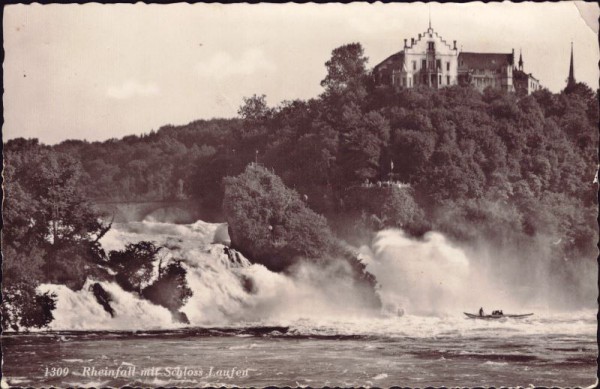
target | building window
[
  {"x": 414, "y": 65},
  {"x": 431, "y": 45},
  {"x": 431, "y": 64},
  {"x": 447, "y": 80},
  {"x": 439, "y": 79},
  {"x": 438, "y": 64},
  {"x": 448, "y": 66},
  {"x": 423, "y": 64}
]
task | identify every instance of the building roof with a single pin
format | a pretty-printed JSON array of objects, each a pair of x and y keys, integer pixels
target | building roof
[
  {"x": 518, "y": 74},
  {"x": 484, "y": 61},
  {"x": 394, "y": 59}
]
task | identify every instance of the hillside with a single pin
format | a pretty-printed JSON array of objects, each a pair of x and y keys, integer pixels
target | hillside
[{"x": 512, "y": 174}]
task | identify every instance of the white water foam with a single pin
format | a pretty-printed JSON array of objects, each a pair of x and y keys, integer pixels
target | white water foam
[
  {"x": 227, "y": 288},
  {"x": 80, "y": 310},
  {"x": 430, "y": 280},
  {"x": 421, "y": 277}
]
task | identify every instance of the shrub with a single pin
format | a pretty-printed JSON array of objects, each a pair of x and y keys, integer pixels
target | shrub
[
  {"x": 24, "y": 307},
  {"x": 170, "y": 290},
  {"x": 134, "y": 265}
]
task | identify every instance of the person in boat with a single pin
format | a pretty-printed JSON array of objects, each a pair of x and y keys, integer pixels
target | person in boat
[{"x": 481, "y": 311}]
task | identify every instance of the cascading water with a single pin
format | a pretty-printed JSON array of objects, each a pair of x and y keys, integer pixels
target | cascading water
[
  {"x": 242, "y": 315},
  {"x": 227, "y": 288},
  {"x": 80, "y": 310},
  {"x": 429, "y": 280}
]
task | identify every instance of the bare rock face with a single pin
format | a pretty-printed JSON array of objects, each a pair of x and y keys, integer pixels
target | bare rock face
[
  {"x": 102, "y": 297},
  {"x": 180, "y": 317}
]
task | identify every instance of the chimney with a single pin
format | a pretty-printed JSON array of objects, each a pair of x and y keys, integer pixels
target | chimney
[
  {"x": 454, "y": 45},
  {"x": 405, "y": 43},
  {"x": 412, "y": 41},
  {"x": 419, "y": 36}
]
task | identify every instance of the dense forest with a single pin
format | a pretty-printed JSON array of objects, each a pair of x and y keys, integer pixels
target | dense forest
[{"x": 489, "y": 166}]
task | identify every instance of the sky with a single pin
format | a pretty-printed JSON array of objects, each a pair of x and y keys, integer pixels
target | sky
[{"x": 98, "y": 71}]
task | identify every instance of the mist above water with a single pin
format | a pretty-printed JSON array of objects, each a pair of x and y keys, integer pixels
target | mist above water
[
  {"x": 421, "y": 277},
  {"x": 433, "y": 276},
  {"x": 426, "y": 278}
]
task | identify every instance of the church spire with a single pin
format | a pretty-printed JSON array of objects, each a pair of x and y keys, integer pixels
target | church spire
[
  {"x": 571, "y": 81},
  {"x": 430, "y": 16},
  {"x": 520, "y": 60}
]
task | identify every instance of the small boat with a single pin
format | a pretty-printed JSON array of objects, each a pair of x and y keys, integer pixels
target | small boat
[{"x": 496, "y": 316}]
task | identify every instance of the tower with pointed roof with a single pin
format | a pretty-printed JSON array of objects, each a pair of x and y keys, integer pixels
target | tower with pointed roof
[
  {"x": 520, "y": 60},
  {"x": 571, "y": 80},
  {"x": 524, "y": 83}
]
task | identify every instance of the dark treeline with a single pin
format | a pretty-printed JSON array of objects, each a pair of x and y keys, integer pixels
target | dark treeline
[
  {"x": 462, "y": 152},
  {"x": 492, "y": 165}
]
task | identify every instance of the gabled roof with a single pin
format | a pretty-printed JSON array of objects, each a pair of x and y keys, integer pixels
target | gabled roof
[
  {"x": 394, "y": 59},
  {"x": 432, "y": 32},
  {"x": 483, "y": 61}
]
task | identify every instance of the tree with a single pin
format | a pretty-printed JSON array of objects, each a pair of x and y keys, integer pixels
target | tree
[
  {"x": 44, "y": 194},
  {"x": 24, "y": 307},
  {"x": 411, "y": 150},
  {"x": 400, "y": 210},
  {"x": 71, "y": 264},
  {"x": 269, "y": 222},
  {"x": 362, "y": 141},
  {"x": 206, "y": 178},
  {"x": 51, "y": 231},
  {"x": 255, "y": 109},
  {"x": 134, "y": 265},
  {"x": 347, "y": 75}
]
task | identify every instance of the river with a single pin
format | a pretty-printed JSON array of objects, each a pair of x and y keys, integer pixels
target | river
[
  {"x": 477, "y": 354},
  {"x": 306, "y": 327}
]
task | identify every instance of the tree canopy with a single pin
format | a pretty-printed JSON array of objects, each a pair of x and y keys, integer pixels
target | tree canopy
[{"x": 270, "y": 221}]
